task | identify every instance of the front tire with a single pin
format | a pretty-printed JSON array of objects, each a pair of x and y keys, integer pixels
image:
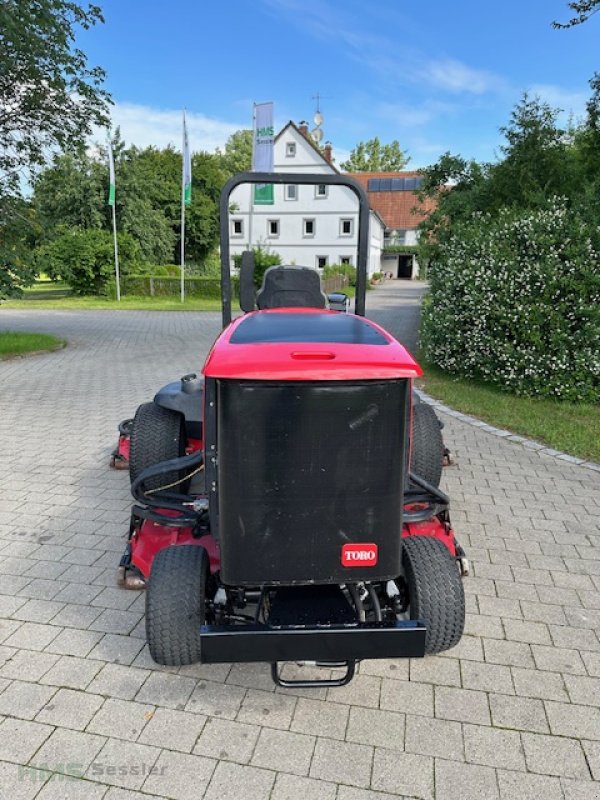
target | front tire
[
  {"x": 157, "y": 434},
  {"x": 435, "y": 591},
  {"x": 176, "y": 604}
]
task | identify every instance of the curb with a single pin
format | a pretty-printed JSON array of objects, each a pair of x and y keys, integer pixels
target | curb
[{"x": 503, "y": 434}]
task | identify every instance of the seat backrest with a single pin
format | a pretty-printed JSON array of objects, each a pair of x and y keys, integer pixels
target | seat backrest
[{"x": 290, "y": 287}]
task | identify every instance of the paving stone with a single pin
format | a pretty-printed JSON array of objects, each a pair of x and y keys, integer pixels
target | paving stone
[
  {"x": 343, "y": 762},
  {"x": 121, "y": 719},
  {"x": 173, "y": 730},
  {"x": 530, "y": 632},
  {"x": 37, "y": 610},
  {"x": 518, "y": 713},
  {"x": 70, "y": 709},
  {"x": 19, "y": 739},
  {"x": 385, "y": 668},
  {"x": 32, "y": 636},
  {"x": 592, "y": 754},
  {"x": 24, "y": 700},
  {"x": 375, "y": 727},
  {"x": 68, "y": 752},
  {"x": 528, "y": 787},
  {"x": 434, "y": 737},
  {"x": 71, "y": 672},
  {"x": 121, "y": 763},
  {"x": 558, "y": 659},
  {"x": 352, "y": 793},
  {"x": 228, "y": 778},
  {"x": 264, "y": 708},
  {"x": 571, "y": 720},
  {"x": 118, "y": 680},
  {"x": 175, "y": 773},
  {"x": 216, "y": 700},
  {"x": 163, "y": 689},
  {"x": 19, "y": 782},
  {"x": 118, "y": 649},
  {"x": 226, "y": 740},
  {"x": 582, "y": 690},
  {"x": 552, "y": 755},
  {"x": 292, "y": 787},
  {"x": 402, "y": 773},
  {"x": 433, "y": 669},
  {"x": 72, "y": 642},
  {"x": 284, "y": 751},
  {"x": 411, "y": 698},
  {"x": 64, "y": 788},
  {"x": 456, "y": 781},
  {"x": 253, "y": 676},
  {"x": 27, "y": 665},
  {"x": 462, "y": 705},
  {"x": 493, "y": 747},
  {"x": 364, "y": 690},
  {"x": 327, "y": 719},
  {"x": 530, "y": 683},
  {"x": 579, "y": 790},
  {"x": 486, "y": 677}
]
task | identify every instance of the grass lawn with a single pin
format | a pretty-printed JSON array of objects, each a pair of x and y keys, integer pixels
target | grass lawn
[
  {"x": 13, "y": 343},
  {"x": 128, "y": 303},
  {"x": 572, "y": 428}
]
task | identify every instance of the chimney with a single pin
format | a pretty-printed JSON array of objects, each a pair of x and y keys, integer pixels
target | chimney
[
  {"x": 303, "y": 128},
  {"x": 328, "y": 152}
]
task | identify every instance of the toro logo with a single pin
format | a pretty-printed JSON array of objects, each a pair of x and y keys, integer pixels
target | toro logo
[{"x": 359, "y": 555}]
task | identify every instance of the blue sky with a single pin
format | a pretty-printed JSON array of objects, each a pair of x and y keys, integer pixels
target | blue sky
[{"x": 436, "y": 75}]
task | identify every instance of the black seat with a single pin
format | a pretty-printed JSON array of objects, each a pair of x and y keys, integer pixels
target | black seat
[{"x": 290, "y": 287}]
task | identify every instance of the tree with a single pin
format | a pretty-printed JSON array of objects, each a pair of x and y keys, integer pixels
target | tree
[
  {"x": 238, "y": 152},
  {"x": 372, "y": 156},
  {"x": 584, "y": 9},
  {"x": 49, "y": 96}
]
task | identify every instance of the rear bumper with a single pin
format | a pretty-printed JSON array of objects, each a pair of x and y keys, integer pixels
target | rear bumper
[{"x": 250, "y": 643}]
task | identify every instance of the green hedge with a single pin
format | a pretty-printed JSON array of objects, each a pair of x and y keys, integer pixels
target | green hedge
[
  {"x": 164, "y": 286},
  {"x": 515, "y": 300}
]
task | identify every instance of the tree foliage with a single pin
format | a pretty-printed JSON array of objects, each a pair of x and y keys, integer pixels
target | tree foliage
[
  {"x": 49, "y": 96},
  {"x": 514, "y": 258},
  {"x": 372, "y": 156},
  {"x": 583, "y": 10},
  {"x": 237, "y": 156}
]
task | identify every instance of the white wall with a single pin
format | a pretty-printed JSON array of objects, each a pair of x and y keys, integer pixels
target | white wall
[{"x": 291, "y": 243}]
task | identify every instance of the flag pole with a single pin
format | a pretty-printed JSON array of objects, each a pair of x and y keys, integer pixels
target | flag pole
[
  {"x": 112, "y": 192},
  {"x": 183, "y": 171},
  {"x": 117, "y": 274},
  {"x": 251, "y": 210}
]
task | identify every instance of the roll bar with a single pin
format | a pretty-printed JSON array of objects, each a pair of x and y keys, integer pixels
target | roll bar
[{"x": 301, "y": 179}]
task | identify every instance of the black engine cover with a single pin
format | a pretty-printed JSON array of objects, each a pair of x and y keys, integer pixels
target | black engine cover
[{"x": 305, "y": 468}]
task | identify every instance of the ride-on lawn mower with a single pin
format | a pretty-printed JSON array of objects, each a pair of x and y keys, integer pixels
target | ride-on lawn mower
[{"x": 318, "y": 536}]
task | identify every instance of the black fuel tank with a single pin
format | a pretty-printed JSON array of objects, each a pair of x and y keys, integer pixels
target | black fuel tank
[{"x": 305, "y": 468}]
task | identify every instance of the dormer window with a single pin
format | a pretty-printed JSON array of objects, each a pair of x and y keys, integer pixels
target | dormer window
[{"x": 290, "y": 149}]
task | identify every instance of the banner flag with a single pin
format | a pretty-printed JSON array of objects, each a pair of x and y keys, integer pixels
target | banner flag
[
  {"x": 111, "y": 177},
  {"x": 187, "y": 167},
  {"x": 262, "y": 150}
]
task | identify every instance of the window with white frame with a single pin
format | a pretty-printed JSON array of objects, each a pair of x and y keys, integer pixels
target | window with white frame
[
  {"x": 321, "y": 190},
  {"x": 272, "y": 227},
  {"x": 322, "y": 261},
  {"x": 237, "y": 227},
  {"x": 346, "y": 260},
  {"x": 291, "y": 191},
  {"x": 346, "y": 227},
  {"x": 290, "y": 149},
  {"x": 308, "y": 227}
]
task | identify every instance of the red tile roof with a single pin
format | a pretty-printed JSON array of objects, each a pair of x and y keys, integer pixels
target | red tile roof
[{"x": 396, "y": 208}]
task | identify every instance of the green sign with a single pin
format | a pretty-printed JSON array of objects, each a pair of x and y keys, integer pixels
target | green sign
[{"x": 263, "y": 194}]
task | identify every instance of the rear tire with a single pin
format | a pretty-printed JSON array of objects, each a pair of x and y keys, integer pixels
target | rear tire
[
  {"x": 435, "y": 591},
  {"x": 176, "y": 604},
  {"x": 427, "y": 447},
  {"x": 157, "y": 434}
]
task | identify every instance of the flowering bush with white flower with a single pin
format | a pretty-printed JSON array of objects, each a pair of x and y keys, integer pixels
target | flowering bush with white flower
[{"x": 515, "y": 300}]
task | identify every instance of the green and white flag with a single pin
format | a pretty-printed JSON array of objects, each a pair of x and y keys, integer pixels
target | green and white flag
[
  {"x": 186, "y": 191},
  {"x": 111, "y": 177},
  {"x": 262, "y": 151}
]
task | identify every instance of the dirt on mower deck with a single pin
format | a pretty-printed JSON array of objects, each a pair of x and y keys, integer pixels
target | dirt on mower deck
[{"x": 512, "y": 712}]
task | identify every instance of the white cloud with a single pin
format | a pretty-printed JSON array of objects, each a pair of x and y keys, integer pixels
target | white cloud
[
  {"x": 144, "y": 126},
  {"x": 454, "y": 76},
  {"x": 569, "y": 102}
]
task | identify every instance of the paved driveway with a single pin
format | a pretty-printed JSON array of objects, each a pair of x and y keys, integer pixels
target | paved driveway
[{"x": 512, "y": 712}]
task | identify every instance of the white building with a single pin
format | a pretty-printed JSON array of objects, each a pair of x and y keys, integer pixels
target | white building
[{"x": 311, "y": 226}]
